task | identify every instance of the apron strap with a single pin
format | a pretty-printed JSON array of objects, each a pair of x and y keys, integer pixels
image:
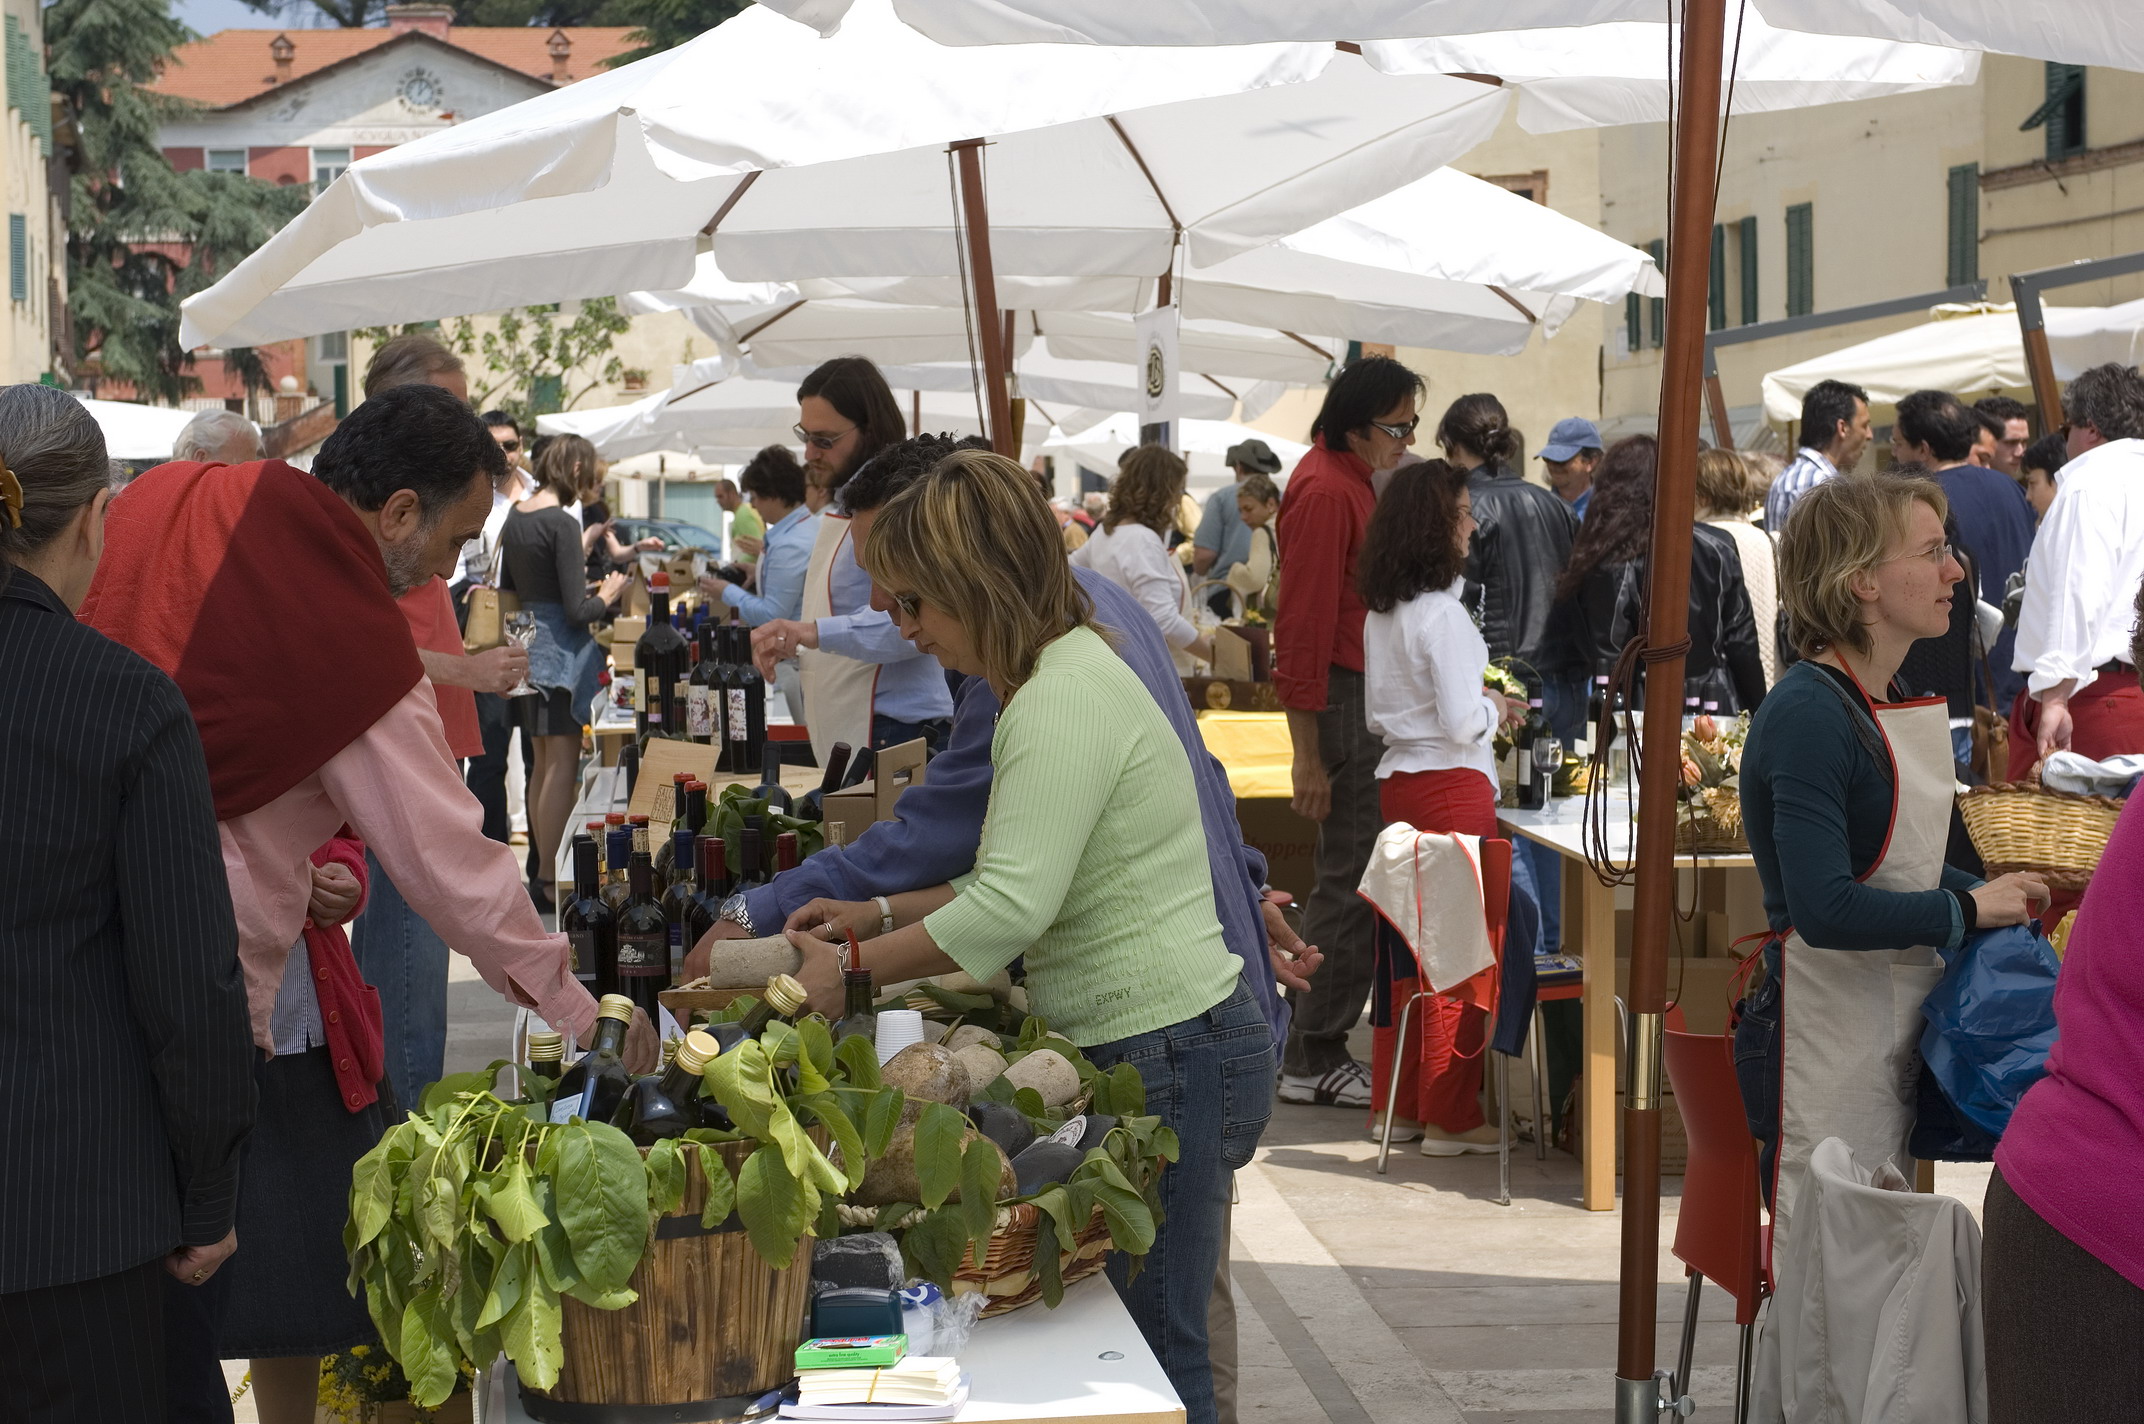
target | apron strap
[{"x": 1863, "y": 723}]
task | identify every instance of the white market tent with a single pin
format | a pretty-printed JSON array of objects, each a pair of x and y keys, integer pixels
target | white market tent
[
  {"x": 1966, "y": 350},
  {"x": 1201, "y": 442},
  {"x": 137, "y": 432}
]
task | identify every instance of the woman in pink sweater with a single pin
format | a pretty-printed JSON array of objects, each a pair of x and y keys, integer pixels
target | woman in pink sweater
[{"x": 2062, "y": 1272}]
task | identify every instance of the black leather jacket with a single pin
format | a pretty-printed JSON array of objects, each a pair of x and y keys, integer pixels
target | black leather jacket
[
  {"x": 1592, "y": 626},
  {"x": 1516, "y": 557}
]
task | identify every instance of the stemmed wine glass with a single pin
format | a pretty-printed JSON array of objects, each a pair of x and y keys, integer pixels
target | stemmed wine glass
[{"x": 521, "y": 632}]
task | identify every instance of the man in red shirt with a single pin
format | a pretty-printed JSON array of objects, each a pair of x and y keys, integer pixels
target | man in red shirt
[{"x": 1366, "y": 424}]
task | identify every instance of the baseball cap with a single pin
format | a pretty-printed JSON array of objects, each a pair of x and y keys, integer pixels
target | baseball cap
[
  {"x": 1572, "y": 434},
  {"x": 1253, "y": 455}
]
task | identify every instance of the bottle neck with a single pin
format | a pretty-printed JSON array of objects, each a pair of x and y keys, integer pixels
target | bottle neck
[
  {"x": 584, "y": 867},
  {"x": 640, "y": 877},
  {"x": 659, "y": 607},
  {"x": 756, "y": 1019},
  {"x": 857, "y": 983},
  {"x": 620, "y": 850},
  {"x": 610, "y": 1038},
  {"x": 682, "y": 868},
  {"x": 714, "y": 872},
  {"x": 680, "y": 1083}
]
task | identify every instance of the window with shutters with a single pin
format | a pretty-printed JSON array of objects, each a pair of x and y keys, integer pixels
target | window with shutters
[
  {"x": 1657, "y": 307},
  {"x": 1963, "y": 262},
  {"x": 18, "y": 257},
  {"x": 226, "y": 160},
  {"x": 547, "y": 394},
  {"x": 1716, "y": 281},
  {"x": 1801, "y": 259},
  {"x": 2061, "y": 113},
  {"x": 1633, "y": 323},
  {"x": 1746, "y": 259},
  {"x": 29, "y": 88}
]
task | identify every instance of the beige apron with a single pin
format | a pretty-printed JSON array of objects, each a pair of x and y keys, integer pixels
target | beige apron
[
  {"x": 1851, "y": 1019},
  {"x": 837, "y": 690}
]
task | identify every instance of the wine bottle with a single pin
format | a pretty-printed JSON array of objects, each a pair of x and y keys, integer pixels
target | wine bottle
[
  {"x": 784, "y": 998},
  {"x": 666, "y": 1104},
  {"x": 1547, "y": 758},
  {"x": 658, "y": 660},
  {"x": 770, "y": 786},
  {"x": 629, "y": 767},
  {"x": 664, "y": 867},
  {"x": 749, "y": 870},
  {"x": 695, "y": 806},
  {"x": 860, "y": 768},
  {"x": 589, "y": 926},
  {"x": 700, "y": 693},
  {"x": 813, "y": 806},
  {"x": 714, "y": 888},
  {"x": 643, "y": 939},
  {"x": 857, "y": 1014},
  {"x": 737, "y": 672},
  {"x": 617, "y": 858},
  {"x": 1529, "y": 785},
  {"x": 678, "y": 897},
  {"x": 547, "y": 1055},
  {"x": 596, "y": 1083},
  {"x": 786, "y": 852},
  {"x": 639, "y": 823}
]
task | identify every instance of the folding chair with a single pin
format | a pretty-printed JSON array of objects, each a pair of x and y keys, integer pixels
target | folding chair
[
  {"x": 1496, "y": 901},
  {"x": 1717, "y": 1232}
]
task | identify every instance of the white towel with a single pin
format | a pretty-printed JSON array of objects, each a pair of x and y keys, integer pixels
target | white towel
[{"x": 1428, "y": 887}]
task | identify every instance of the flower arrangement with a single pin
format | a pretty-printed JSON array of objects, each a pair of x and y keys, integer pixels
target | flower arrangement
[{"x": 1708, "y": 813}]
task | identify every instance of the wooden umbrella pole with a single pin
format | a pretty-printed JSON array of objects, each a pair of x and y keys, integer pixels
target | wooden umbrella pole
[
  {"x": 983, "y": 294},
  {"x": 1674, "y": 503}
]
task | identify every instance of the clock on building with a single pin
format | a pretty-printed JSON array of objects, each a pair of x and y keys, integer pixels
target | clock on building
[{"x": 421, "y": 90}]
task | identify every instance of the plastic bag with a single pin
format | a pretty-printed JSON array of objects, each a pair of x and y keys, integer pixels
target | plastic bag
[{"x": 1991, "y": 1022}]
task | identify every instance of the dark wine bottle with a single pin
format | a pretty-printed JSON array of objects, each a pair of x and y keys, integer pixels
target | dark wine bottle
[
  {"x": 783, "y": 998},
  {"x": 860, "y": 768},
  {"x": 667, "y": 1104},
  {"x": 813, "y": 806},
  {"x": 659, "y": 660},
  {"x": 643, "y": 940},
  {"x": 663, "y": 864},
  {"x": 858, "y": 1017},
  {"x": 617, "y": 857},
  {"x": 629, "y": 765},
  {"x": 589, "y": 926},
  {"x": 596, "y": 1083},
  {"x": 695, "y": 806},
  {"x": 770, "y": 786},
  {"x": 713, "y": 889},
  {"x": 547, "y": 1056},
  {"x": 786, "y": 852},
  {"x": 678, "y": 895},
  {"x": 737, "y": 674},
  {"x": 750, "y": 871}
]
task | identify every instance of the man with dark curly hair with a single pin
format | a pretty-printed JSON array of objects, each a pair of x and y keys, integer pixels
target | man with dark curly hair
[{"x": 2073, "y": 627}]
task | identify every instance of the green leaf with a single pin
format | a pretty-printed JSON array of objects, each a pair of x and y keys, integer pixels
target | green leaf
[
  {"x": 830, "y": 1114},
  {"x": 779, "y": 1039},
  {"x": 892, "y": 1212},
  {"x": 426, "y": 1358},
  {"x": 881, "y": 1119},
  {"x": 602, "y": 1203},
  {"x": 773, "y": 1205},
  {"x": 815, "y": 1059},
  {"x": 438, "y": 1212},
  {"x": 442, "y": 1093},
  {"x": 721, "y": 1189},
  {"x": 979, "y": 1178},
  {"x": 1131, "y": 1224},
  {"x": 956, "y": 1000},
  {"x": 1053, "y": 1235},
  {"x": 933, "y": 1246},
  {"x": 372, "y": 1194},
  {"x": 530, "y": 1336},
  {"x": 512, "y": 1204},
  {"x": 1028, "y": 1101},
  {"x": 506, "y": 1287},
  {"x": 937, "y": 1149},
  {"x": 998, "y": 1090},
  {"x": 666, "y": 1177},
  {"x": 858, "y": 1059}
]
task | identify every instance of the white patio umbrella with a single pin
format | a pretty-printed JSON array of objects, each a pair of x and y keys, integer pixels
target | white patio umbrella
[
  {"x": 137, "y": 432},
  {"x": 1059, "y": 385},
  {"x": 1201, "y": 442},
  {"x": 2103, "y": 32},
  {"x": 1968, "y": 350}
]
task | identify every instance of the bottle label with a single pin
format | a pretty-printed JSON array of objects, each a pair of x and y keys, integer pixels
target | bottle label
[
  {"x": 738, "y": 730},
  {"x": 582, "y": 945},
  {"x": 640, "y": 689},
  {"x": 566, "y": 1107},
  {"x": 677, "y": 949},
  {"x": 699, "y": 715},
  {"x": 643, "y": 956}
]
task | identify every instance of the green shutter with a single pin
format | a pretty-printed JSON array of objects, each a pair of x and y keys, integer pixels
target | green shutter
[
  {"x": 2061, "y": 113},
  {"x": 1747, "y": 245},
  {"x": 29, "y": 90},
  {"x": 1801, "y": 259},
  {"x": 1963, "y": 264},
  {"x": 1716, "y": 281},
  {"x": 1657, "y": 307},
  {"x": 547, "y": 394},
  {"x": 18, "y": 257},
  {"x": 1634, "y": 321}
]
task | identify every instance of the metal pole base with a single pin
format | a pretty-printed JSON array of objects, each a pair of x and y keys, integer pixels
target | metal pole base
[{"x": 1648, "y": 1401}]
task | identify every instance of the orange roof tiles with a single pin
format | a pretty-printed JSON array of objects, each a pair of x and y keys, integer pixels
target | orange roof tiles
[{"x": 232, "y": 66}]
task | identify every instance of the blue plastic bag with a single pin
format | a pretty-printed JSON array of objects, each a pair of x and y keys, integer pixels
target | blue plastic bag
[{"x": 1991, "y": 1022}]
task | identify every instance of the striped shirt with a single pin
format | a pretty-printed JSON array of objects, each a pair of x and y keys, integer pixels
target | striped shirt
[{"x": 1809, "y": 469}]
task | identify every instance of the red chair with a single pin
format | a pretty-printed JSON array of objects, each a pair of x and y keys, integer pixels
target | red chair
[
  {"x": 1718, "y": 1230},
  {"x": 1496, "y": 901}
]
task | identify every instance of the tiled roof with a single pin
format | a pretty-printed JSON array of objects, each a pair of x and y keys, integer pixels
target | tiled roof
[{"x": 232, "y": 66}]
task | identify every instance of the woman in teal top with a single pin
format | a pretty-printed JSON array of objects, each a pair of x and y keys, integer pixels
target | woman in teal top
[{"x": 1092, "y": 865}]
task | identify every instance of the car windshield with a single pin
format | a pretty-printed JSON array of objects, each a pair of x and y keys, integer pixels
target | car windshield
[{"x": 687, "y": 535}]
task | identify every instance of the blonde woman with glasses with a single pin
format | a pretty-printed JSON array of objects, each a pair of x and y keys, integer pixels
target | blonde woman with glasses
[{"x": 1089, "y": 867}]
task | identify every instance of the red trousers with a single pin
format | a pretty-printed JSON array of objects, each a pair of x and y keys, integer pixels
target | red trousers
[
  {"x": 2106, "y": 719},
  {"x": 1440, "y": 1070}
]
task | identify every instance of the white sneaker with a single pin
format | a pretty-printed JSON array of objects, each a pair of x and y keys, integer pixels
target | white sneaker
[
  {"x": 1436, "y": 1142},
  {"x": 1402, "y": 1129},
  {"x": 1347, "y": 1086}
]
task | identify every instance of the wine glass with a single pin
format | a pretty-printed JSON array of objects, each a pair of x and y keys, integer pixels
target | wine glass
[{"x": 521, "y": 632}]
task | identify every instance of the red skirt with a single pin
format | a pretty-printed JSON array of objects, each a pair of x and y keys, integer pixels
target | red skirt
[{"x": 1440, "y": 1070}]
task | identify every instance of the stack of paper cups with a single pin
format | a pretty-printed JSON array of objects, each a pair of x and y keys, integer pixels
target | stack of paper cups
[{"x": 897, "y": 1028}]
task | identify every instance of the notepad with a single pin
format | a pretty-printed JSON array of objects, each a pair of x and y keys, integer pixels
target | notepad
[
  {"x": 851, "y": 1352},
  {"x": 958, "y": 1401},
  {"x": 919, "y": 1379}
]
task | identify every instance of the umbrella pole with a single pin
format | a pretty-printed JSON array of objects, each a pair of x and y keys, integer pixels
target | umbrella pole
[
  {"x": 1696, "y": 139},
  {"x": 983, "y": 296}
]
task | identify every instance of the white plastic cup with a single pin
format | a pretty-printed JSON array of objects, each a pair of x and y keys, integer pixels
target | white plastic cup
[{"x": 897, "y": 1028}]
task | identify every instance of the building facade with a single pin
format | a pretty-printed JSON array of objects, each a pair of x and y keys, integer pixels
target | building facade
[{"x": 36, "y": 240}]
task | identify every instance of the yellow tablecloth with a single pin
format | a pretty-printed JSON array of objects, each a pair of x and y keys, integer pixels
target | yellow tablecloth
[{"x": 1255, "y": 750}]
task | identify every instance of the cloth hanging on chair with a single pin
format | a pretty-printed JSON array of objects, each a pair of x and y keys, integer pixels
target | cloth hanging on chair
[{"x": 1427, "y": 886}]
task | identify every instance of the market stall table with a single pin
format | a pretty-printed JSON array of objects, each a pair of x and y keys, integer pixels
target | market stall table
[
  {"x": 1082, "y": 1363},
  {"x": 1726, "y": 887}
]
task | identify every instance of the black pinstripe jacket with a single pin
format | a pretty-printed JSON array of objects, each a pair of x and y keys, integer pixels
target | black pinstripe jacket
[{"x": 126, "y": 1060}]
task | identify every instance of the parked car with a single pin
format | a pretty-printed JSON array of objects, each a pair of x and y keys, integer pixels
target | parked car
[{"x": 675, "y": 534}]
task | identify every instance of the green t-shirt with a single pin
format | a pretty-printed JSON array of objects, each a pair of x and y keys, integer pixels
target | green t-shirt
[{"x": 745, "y": 523}]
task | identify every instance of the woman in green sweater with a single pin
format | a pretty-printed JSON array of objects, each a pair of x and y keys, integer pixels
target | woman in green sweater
[{"x": 1092, "y": 866}]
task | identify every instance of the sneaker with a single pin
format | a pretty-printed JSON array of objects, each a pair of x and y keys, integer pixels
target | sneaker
[
  {"x": 1436, "y": 1142},
  {"x": 1402, "y": 1129},
  {"x": 1347, "y": 1086}
]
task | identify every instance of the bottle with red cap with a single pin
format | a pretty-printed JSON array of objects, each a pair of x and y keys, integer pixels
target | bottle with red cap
[{"x": 660, "y": 664}]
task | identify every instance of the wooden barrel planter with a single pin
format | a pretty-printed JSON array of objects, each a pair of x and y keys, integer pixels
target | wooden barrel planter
[{"x": 714, "y": 1330}]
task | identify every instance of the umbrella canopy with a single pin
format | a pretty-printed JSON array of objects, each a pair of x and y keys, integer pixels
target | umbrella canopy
[
  {"x": 1201, "y": 442},
  {"x": 827, "y": 158},
  {"x": 2073, "y": 31},
  {"x": 137, "y": 432},
  {"x": 1969, "y": 350}
]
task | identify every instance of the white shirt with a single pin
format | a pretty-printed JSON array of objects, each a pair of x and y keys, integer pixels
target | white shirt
[
  {"x": 1422, "y": 692},
  {"x": 1809, "y": 468},
  {"x": 2087, "y": 560},
  {"x": 1134, "y": 558}
]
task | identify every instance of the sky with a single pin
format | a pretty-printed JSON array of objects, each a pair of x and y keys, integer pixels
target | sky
[{"x": 209, "y": 16}]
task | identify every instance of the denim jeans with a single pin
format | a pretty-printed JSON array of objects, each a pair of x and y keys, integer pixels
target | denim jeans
[
  {"x": 1535, "y": 868},
  {"x": 1757, "y": 1066},
  {"x": 892, "y": 732},
  {"x": 1211, "y": 1079},
  {"x": 400, "y": 956},
  {"x": 1335, "y": 918}
]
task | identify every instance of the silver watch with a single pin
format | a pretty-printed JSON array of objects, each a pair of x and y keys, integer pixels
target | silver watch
[{"x": 735, "y": 911}]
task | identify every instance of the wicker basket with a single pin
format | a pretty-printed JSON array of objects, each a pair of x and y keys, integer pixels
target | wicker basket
[
  {"x": 1710, "y": 824},
  {"x": 1008, "y": 1277},
  {"x": 2022, "y": 825}
]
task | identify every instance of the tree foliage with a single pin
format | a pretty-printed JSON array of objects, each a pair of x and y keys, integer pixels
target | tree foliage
[
  {"x": 535, "y": 360},
  {"x": 658, "y": 24},
  {"x": 141, "y": 237}
]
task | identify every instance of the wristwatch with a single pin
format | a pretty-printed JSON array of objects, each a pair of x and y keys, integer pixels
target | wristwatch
[{"x": 735, "y": 911}]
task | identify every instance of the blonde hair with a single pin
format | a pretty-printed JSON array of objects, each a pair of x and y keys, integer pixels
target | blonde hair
[
  {"x": 974, "y": 539},
  {"x": 1839, "y": 531},
  {"x": 1147, "y": 490},
  {"x": 1723, "y": 484}
]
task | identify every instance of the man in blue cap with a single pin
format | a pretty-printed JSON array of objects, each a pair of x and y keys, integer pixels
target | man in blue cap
[{"x": 1572, "y": 452}]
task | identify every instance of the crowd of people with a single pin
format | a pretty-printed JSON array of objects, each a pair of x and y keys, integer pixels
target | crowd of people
[{"x": 252, "y": 799}]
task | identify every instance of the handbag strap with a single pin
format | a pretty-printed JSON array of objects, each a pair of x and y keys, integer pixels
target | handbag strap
[{"x": 1862, "y": 721}]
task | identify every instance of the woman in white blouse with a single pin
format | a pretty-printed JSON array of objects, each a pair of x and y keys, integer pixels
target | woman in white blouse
[
  {"x": 1422, "y": 663},
  {"x": 1130, "y": 547},
  {"x": 1726, "y": 496}
]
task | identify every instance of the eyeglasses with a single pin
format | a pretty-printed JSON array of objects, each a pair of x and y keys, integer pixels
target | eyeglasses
[
  {"x": 910, "y": 604},
  {"x": 819, "y": 439},
  {"x": 1398, "y": 432},
  {"x": 1938, "y": 555},
  {"x": 511, "y": 447}
]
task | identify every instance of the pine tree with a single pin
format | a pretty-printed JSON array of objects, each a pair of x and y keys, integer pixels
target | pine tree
[{"x": 141, "y": 237}]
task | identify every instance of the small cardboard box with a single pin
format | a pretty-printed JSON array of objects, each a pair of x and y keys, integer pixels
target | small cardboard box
[
  {"x": 1288, "y": 842},
  {"x": 1240, "y": 654},
  {"x": 896, "y": 769},
  {"x": 624, "y": 632}
]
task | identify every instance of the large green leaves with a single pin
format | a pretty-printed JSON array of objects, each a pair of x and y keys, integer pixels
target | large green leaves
[
  {"x": 938, "y": 1134},
  {"x": 602, "y": 1203},
  {"x": 981, "y": 1166},
  {"x": 773, "y": 1205}
]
